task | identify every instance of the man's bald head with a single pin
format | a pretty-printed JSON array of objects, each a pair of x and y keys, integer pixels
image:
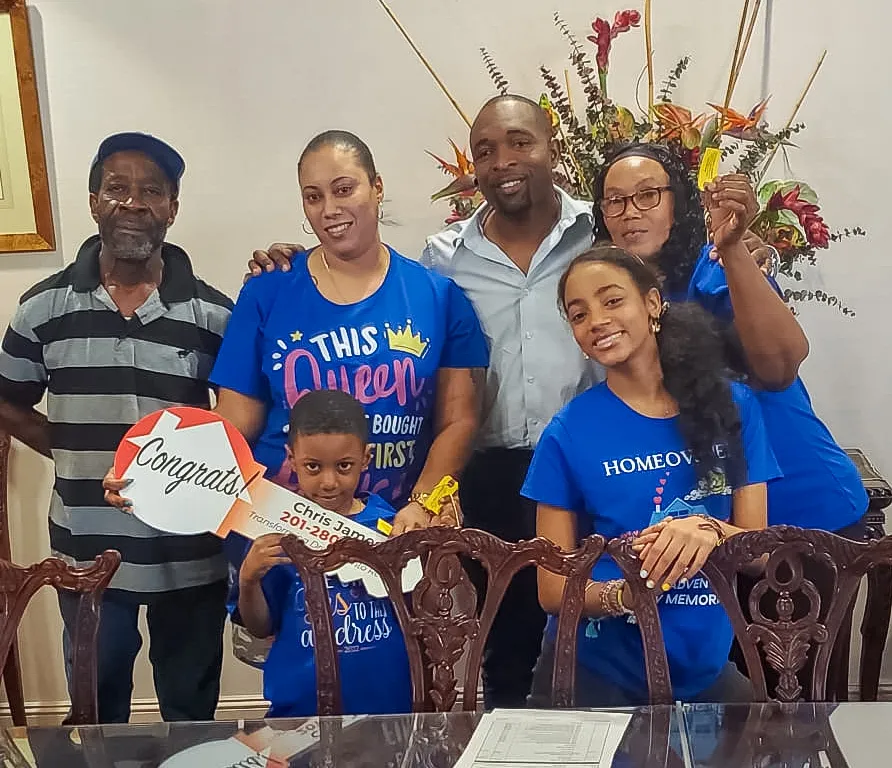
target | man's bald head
[{"x": 515, "y": 104}]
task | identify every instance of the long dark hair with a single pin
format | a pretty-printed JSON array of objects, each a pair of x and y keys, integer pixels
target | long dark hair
[
  {"x": 692, "y": 357},
  {"x": 677, "y": 257}
]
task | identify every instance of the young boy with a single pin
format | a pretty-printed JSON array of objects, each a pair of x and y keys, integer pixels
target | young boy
[{"x": 328, "y": 450}]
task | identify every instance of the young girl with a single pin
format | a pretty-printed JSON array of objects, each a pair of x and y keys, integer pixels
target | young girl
[
  {"x": 328, "y": 451},
  {"x": 666, "y": 446}
]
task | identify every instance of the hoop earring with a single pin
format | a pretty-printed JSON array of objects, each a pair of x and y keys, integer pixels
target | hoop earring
[{"x": 306, "y": 231}]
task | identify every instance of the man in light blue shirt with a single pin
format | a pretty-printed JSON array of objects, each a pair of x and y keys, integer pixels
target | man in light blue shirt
[{"x": 508, "y": 258}]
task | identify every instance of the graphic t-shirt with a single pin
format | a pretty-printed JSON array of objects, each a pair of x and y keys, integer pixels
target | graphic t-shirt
[
  {"x": 621, "y": 472},
  {"x": 372, "y": 653},
  {"x": 285, "y": 339},
  {"x": 821, "y": 487}
]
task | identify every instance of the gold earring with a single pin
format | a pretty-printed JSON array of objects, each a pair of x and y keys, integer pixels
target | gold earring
[{"x": 655, "y": 325}]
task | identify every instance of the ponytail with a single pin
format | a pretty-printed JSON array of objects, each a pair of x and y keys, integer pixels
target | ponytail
[{"x": 694, "y": 373}]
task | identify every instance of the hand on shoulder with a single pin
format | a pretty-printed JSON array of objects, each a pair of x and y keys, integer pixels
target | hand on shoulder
[{"x": 277, "y": 256}]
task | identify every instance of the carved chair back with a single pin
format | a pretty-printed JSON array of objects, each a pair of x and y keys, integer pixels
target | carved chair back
[
  {"x": 19, "y": 584},
  {"x": 803, "y": 585},
  {"x": 438, "y": 630}
]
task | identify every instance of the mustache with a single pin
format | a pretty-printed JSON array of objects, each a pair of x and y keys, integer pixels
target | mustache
[{"x": 147, "y": 234}]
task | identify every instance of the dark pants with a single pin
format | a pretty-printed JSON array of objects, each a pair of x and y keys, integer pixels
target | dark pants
[
  {"x": 186, "y": 650},
  {"x": 491, "y": 501},
  {"x": 822, "y": 577},
  {"x": 593, "y": 691}
]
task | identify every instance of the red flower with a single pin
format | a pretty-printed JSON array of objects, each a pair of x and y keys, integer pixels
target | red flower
[
  {"x": 605, "y": 34},
  {"x": 601, "y": 38},
  {"x": 816, "y": 231},
  {"x": 624, "y": 21},
  {"x": 691, "y": 157}
]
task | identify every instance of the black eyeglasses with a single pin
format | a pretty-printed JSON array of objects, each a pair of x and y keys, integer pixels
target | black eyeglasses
[{"x": 643, "y": 200}]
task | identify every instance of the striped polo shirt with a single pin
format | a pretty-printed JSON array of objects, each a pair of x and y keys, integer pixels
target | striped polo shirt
[{"x": 101, "y": 373}]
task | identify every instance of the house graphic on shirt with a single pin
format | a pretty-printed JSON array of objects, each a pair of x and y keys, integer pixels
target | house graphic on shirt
[{"x": 678, "y": 508}]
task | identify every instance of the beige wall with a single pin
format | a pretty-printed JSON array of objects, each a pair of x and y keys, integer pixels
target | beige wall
[{"x": 240, "y": 87}]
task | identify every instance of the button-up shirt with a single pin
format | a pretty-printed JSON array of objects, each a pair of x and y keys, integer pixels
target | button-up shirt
[{"x": 535, "y": 365}]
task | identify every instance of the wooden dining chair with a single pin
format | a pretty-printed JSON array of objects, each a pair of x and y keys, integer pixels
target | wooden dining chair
[
  {"x": 438, "y": 630},
  {"x": 19, "y": 584},
  {"x": 12, "y": 670},
  {"x": 787, "y": 627}
]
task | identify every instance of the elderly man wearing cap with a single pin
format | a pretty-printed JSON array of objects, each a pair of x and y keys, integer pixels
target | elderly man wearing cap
[{"x": 123, "y": 331}]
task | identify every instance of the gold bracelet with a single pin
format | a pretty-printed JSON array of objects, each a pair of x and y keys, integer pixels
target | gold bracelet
[
  {"x": 610, "y": 602},
  {"x": 711, "y": 524},
  {"x": 447, "y": 488},
  {"x": 418, "y": 498},
  {"x": 619, "y": 597},
  {"x": 604, "y": 599}
]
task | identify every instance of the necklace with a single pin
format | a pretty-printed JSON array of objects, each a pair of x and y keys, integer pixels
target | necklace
[{"x": 369, "y": 290}]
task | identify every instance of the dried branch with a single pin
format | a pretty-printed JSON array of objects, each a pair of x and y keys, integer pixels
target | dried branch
[{"x": 495, "y": 74}]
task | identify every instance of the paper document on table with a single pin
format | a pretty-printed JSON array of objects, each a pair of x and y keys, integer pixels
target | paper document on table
[
  {"x": 545, "y": 739},
  {"x": 861, "y": 731}
]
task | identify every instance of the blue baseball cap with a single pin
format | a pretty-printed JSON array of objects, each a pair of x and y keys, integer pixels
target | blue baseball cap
[{"x": 166, "y": 157}]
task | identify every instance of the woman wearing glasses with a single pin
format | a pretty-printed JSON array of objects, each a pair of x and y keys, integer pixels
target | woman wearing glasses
[{"x": 647, "y": 203}]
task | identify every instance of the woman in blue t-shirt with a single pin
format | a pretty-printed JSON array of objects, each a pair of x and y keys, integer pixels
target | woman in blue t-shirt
[
  {"x": 666, "y": 447},
  {"x": 647, "y": 203},
  {"x": 353, "y": 314}
]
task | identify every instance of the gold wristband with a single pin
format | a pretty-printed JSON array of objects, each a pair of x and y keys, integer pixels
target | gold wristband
[
  {"x": 711, "y": 524},
  {"x": 622, "y": 604},
  {"x": 419, "y": 498},
  {"x": 610, "y": 604},
  {"x": 432, "y": 502}
]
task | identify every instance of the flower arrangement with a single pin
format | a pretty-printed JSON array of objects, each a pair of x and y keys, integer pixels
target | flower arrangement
[{"x": 789, "y": 218}]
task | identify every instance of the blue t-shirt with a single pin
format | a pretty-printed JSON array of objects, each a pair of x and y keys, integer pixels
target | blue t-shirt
[
  {"x": 372, "y": 654},
  {"x": 285, "y": 339},
  {"x": 621, "y": 472},
  {"x": 821, "y": 487}
]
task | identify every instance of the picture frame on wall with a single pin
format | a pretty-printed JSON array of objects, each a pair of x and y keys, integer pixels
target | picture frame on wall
[{"x": 26, "y": 216}]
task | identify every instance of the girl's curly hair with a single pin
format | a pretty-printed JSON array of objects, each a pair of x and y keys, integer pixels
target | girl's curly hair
[{"x": 679, "y": 254}]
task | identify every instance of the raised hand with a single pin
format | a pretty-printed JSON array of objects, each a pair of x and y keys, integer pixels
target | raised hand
[{"x": 731, "y": 204}]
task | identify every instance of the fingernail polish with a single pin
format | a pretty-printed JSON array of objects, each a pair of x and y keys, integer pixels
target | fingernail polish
[
  {"x": 666, "y": 587},
  {"x": 649, "y": 584},
  {"x": 643, "y": 574},
  {"x": 127, "y": 483}
]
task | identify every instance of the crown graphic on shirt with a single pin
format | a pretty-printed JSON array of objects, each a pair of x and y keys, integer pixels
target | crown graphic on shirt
[{"x": 403, "y": 340}]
